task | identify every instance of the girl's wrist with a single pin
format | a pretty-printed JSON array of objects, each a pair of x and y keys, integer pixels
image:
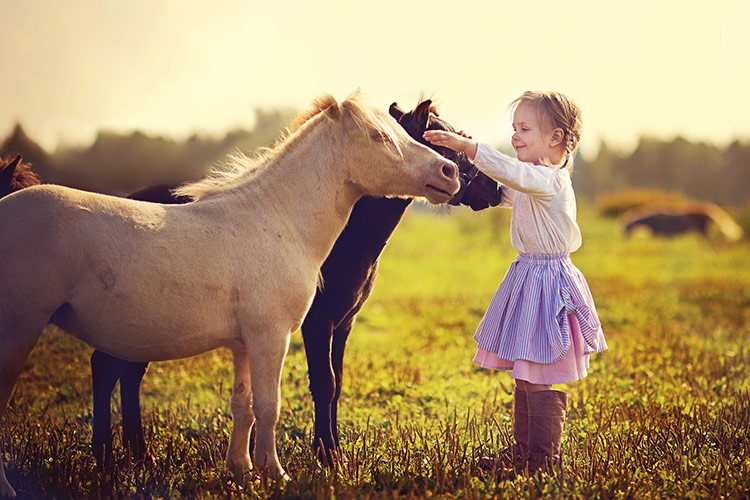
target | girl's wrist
[{"x": 470, "y": 148}]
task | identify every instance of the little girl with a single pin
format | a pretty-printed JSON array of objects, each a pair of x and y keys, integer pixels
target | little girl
[{"x": 541, "y": 323}]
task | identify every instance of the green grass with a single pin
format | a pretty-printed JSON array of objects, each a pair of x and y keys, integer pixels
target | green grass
[{"x": 665, "y": 412}]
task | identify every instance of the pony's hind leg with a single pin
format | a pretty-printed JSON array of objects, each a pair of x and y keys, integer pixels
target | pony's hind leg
[
  {"x": 238, "y": 458},
  {"x": 131, "y": 375},
  {"x": 105, "y": 371},
  {"x": 103, "y": 379},
  {"x": 266, "y": 362},
  {"x": 17, "y": 337}
]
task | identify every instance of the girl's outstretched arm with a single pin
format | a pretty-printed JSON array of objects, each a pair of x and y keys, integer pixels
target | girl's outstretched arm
[{"x": 449, "y": 140}]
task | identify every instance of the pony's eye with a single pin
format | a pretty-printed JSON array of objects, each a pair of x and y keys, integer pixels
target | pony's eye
[{"x": 381, "y": 137}]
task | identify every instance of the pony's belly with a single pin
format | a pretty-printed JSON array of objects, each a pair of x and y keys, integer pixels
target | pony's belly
[
  {"x": 157, "y": 351},
  {"x": 142, "y": 338}
]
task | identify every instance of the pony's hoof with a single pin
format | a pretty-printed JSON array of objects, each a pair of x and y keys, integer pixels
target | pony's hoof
[
  {"x": 7, "y": 491},
  {"x": 280, "y": 475},
  {"x": 241, "y": 469},
  {"x": 327, "y": 456}
]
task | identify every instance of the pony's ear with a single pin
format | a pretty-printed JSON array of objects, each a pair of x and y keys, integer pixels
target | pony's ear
[
  {"x": 334, "y": 111},
  {"x": 395, "y": 111},
  {"x": 15, "y": 162},
  {"x": 328, "y": 105},
  {"x": 6, "y": 172},
  {"x": 423, "y": 111}
]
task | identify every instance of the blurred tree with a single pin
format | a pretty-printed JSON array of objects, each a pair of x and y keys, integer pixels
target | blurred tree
[
  {"x": 735, "y": 178},
  {"x": 120, "y": 164},
  {"x": 696, "y": 169},
  {"x": 594, "y": 178}
]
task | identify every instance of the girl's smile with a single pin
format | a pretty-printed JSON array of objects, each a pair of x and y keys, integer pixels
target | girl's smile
[{"x": 530, "y": 140}]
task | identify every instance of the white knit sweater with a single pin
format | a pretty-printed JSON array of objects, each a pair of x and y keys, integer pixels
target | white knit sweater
[{"x": 543, "y": 202}]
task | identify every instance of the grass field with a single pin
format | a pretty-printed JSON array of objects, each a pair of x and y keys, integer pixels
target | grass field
[{"x": 665, "y": 412}]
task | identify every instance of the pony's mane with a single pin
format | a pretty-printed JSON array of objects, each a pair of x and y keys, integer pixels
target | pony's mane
[
  {"x": 23, "y": 176},
  {"x": 319, "y": 105},
  {"x": 240, "y": 169}
]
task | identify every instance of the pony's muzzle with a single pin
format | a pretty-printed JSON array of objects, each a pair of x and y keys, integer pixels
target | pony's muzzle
[{"x": 442, "y": 183}]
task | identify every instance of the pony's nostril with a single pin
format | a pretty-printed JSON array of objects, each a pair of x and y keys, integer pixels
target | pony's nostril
[{"x": 450, "y": 170}]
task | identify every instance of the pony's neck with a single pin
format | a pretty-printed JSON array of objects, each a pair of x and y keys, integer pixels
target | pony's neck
[{"x": 306, "y": 185}]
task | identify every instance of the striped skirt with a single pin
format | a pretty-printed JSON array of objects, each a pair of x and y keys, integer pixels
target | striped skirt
[{"x": 529, "y": 318}]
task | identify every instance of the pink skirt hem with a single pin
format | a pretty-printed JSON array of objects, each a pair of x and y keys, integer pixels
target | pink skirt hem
[{"x": 571, "y": 367}]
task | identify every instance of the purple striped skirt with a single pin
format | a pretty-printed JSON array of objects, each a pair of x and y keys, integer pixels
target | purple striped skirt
[{"x": 527, "y": 318}]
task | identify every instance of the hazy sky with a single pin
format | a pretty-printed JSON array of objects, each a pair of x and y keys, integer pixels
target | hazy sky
[{"x": 174, "y": 67}]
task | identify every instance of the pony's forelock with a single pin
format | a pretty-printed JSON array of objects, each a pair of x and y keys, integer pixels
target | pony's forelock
[{"x": 320, "y": 104}]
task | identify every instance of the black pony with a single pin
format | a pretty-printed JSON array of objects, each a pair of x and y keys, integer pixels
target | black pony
[{"x": 349, "y": 274}]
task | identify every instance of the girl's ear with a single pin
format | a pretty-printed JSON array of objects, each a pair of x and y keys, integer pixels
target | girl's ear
[{"x": 556, "y": 137}]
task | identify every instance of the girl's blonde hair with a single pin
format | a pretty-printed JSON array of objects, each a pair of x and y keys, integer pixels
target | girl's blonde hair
[{"x": 556, "y": 111}]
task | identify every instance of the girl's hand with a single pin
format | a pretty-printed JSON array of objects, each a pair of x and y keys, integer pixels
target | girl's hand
[{"x": 456, "y": 142}]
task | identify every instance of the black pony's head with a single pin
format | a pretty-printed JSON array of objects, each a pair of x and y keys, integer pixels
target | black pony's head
[{"x": 477, "y": 190}]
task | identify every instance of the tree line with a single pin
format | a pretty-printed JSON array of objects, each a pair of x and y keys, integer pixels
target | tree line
[
  {"x": 122, "y": 163},
  {"x": 699, "y": 170}
]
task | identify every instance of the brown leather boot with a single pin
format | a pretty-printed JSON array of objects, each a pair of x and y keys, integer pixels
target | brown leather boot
[
  {"x": 513, "y": 457},
  {"x": 546, "y": 421}
]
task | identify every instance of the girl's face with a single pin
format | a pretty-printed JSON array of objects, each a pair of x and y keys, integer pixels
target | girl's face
[{"x": 531, "y": 142}]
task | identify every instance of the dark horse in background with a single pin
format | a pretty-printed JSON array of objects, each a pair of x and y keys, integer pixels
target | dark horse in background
[
  {"x": 348, "y": 274},
  {"x": 667, "y": 220}
]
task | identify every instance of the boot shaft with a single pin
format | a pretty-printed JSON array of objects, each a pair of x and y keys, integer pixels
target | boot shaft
[
  {"x": 521, "y": 419},
  {"x": 547, "y": 411}
]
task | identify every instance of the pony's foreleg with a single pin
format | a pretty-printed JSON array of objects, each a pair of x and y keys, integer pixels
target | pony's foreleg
[
  {"x": 17, "y": 338},
  {"x": 238, "y": 458},
  {"x": 317, "y": 332},
  {"x": 266, "y": 362},
  {"x": 340, "y": 336}
]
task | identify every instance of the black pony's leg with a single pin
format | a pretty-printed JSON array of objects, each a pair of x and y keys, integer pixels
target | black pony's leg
[
  {"x": 131, "y": 375},
  {"x": 317, "y": 331},
  {"x": 340, "y": 336},
  {"x": 104, "y": 375}
]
